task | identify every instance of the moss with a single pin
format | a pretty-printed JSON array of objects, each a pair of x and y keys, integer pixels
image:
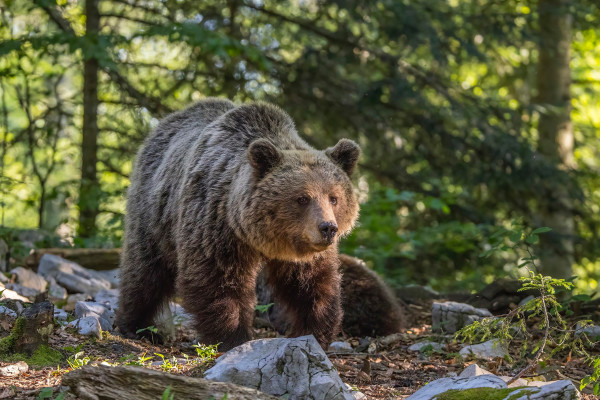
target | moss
[
  {"x": 43, "y": 356},
  {"x": 7, "y": 343},
  {"x": 484, "y": 394}
]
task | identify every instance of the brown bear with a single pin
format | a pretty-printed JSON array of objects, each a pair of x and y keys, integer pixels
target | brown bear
[
  {"x": 369, "y": 306},
  {"x": 218, "y": 191}
]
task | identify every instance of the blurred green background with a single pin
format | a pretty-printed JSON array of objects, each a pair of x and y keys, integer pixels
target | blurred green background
[{"x": 473, "y": 116}]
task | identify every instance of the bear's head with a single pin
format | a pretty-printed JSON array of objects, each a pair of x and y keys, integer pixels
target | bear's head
[{"x": 302, "y": 201}]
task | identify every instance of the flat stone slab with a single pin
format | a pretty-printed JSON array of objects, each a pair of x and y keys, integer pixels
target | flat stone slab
[
  {"x": 72, "y": 276},
  {"x": 442, "y": 385},
  {"x": 296, "y": 368},
  {"x": 450, "y": 316},
  {"x": 421, "y": 345},
  {"x": 486, "y": 350}
]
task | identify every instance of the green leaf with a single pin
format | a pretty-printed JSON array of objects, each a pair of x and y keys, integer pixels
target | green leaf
[
  {"x": 532, "y": 239},
  {"x": 543, "y": 229}
]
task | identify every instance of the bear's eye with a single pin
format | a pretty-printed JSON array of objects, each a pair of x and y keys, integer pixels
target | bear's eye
[
  {"x": 333, "y": 200},
  {"x": 303, "y": 200}
]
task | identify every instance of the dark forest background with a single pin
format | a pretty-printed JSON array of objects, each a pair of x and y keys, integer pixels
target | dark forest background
[{"x": 474, "y": 116}]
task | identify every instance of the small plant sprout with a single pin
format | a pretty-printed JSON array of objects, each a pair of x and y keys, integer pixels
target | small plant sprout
[
  {"x": 77, "y": 360},
  {"x": 556, "y": 334},
  {"x": 206, "y": 352},
  {"x": 167, "y": 395},
  {"x": 152, "y": 329}
]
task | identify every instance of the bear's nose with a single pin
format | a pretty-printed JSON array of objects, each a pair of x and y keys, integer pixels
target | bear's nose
[{"x": 328, "y": 230}]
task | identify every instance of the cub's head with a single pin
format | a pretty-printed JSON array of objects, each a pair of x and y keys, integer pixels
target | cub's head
[{"x": 302, "y": 201}]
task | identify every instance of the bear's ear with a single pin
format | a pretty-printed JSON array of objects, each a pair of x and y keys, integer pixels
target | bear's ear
[
  {"x": 263, "y": 156},
  {"x": 345, "y": 154}
]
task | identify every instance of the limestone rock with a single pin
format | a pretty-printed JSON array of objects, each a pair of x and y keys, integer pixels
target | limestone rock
[
  {"x": 87, "y": 326},
  {"x": 340, "y": 347},
  {"x": 297, "y": 368},
  {"x": 419, "y": 346},
  {"x": 29, "y": 279},
  {"x": 485, "y": 350},
  {"x": 442, "y": 385},
  {"x": 557, "y": 390},
  {"x": 72, "y": 276},
  {"x": 449, "y": 316},
  {"x": 73, "y": 299},
  {"x": 60, "y": 315},
  {"x": 108, "y": 297},
  {"x": 56, "y": 292},
  {"x": 111, "y": 275},
  {"x": 473, "y": 370},
  {"x": 6, "y": 293},
  {"x": 14, "y": 369},
  {"x": 104, "y": 313},
  {"x": 7, "y": 318},
  {"x": 24, "y": 291}
]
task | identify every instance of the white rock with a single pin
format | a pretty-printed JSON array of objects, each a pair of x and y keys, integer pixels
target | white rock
[
  {"x": 60, "y": 315},
  {"x": 108, "y": 297},
  {"x": 555, "y": 390},
  {"x": 73, "y": 299},
  {"x": 486, "y": 350},
  {"x": 297, "y": 368},
  {"x": 340, "y": 347},
  {"x": 517, "y": 383},
  {"x": 526, "y": 300},
  {"x": 23, "y": 290},
  {"x": 474, "y": 370},
  {"x": 56, "y": 292},
  {"x": 11, "y": 295},
  {"x": 591, "y": 331},
  {"x": 30, "y": 279},
  {"x": 450, "y": 316},
  {"x": 111, "y": 275},
  {"x": 105, "y": 314},
  {"x": 420, "y": 345},
  {"x": 432, "y": 389},
  {"x": 7, "y": 318},
  {"x": 72, "y": 276},
  {"x": 88, "y": 326},
  {"x": 14, "y": 369}
]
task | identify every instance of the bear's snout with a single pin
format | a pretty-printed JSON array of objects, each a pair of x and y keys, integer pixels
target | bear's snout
[{"x": 328, "y": 230}]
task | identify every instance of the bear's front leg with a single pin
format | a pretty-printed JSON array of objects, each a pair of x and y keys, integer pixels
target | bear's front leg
[
  {"x": 310, "y": 293},
  {"x": 222, "y": 299}
]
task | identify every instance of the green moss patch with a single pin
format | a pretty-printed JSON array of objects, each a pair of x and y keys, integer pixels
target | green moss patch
[
  {"x": 484, "y": 394},
  {"x": 7, "y": 343},
  {"x": 44, "y": 356}
]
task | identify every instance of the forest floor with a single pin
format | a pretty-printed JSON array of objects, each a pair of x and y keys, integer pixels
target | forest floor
[{"x": 391, "y": 372}]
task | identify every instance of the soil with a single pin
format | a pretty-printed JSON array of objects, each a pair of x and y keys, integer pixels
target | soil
[{"x": 379, "y": 371}]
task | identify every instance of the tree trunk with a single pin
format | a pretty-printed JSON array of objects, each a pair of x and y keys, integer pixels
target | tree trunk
[
  {"x": 556, "y": 132},
  {"x": 89, "y": 190},
  {"x": 103, "y": 382}
]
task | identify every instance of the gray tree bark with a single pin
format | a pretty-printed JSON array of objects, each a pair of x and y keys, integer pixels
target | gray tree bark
[
  {"x": 89, "y": 191},
  {"x": 104, "y": 382},
  {"x": 556, "y": 132}
]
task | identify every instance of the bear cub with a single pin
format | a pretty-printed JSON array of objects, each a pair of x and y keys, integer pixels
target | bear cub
[{"x": 218, "y": 191}]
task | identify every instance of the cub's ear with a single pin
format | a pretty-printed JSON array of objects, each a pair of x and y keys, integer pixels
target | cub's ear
[
  {"x": 263, "y": 156},
  {"x": 345, "y": 154}
]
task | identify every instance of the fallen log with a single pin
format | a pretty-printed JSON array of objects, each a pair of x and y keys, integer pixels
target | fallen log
[
  {"x": 104, "y": 382},
  {"x": 98, "y": 259}
]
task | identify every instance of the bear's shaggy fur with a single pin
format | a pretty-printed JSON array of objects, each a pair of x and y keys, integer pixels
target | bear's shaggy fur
[
  {"x": 216, "y": 192},
  {"x": 368, "y": 304}
]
